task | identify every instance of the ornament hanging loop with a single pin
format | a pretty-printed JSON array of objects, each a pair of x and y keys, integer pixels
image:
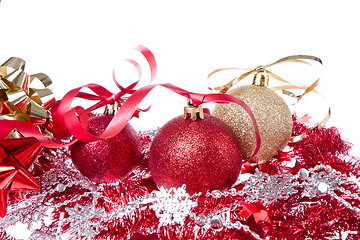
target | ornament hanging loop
[
  {"x": 261, "y": 77},
  {"x": 193, "y": 111}
]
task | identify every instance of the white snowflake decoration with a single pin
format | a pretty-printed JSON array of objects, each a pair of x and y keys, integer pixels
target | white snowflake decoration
[
  {"x": 172, "y": 205},
  {"x": 82, "y": 220}
]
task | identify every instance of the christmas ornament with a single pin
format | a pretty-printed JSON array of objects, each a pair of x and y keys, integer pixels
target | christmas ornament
[
  {"x": 109, "y": 159},
  {"x": 16, "y": 156},
  {"x": 203, "y": 146},
  {"x": 201, "y": 152},
  {"x": 271, "y": 113}
]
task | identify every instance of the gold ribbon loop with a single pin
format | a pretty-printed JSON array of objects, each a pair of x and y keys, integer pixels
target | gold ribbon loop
[
  {"x": 261, "y": 68},
  {"x": 15, "y": 63},
  {"x": 295, "y": 58},
  {"x": 23, "y": 101},
  {"x": 325, "y": 119}
]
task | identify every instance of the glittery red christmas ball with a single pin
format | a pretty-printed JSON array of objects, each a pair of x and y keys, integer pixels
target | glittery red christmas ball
[
  {"x": 107, "y": 160},
  {"x": 203, "y": 154}
]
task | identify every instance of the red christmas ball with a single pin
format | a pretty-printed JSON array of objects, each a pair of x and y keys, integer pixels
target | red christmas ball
[
  {"x": 203, "y": 154},
  {"x": 107, "y": 160}
]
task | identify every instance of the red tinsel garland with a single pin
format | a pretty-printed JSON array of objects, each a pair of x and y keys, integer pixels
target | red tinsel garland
[
  {"x": 320, "y": 217},
  {"x": 296, "y": 217},
  {"x": 4, "y": 236}
]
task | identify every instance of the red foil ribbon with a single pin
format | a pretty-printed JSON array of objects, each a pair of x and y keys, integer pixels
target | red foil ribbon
[{"x": 16, "y": 156}]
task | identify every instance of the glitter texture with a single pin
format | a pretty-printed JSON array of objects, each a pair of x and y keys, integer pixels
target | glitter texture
[
  {"x": 203, "y": 154},
  {"x": 124, "y": 210},
  {"x": 272, "y": 116},
  {"x": 107, "y": 160}
]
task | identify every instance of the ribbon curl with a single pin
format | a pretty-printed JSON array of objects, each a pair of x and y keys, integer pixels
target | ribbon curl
[
  {"x": 74, "y": 120},
  {"x": 76, "y": 127},
  {"x": 261, "y": 68},
  {"x": 62, "y": 112},
  {"x": 60, "y": 109},
  {"x": 19, "y": 100}
]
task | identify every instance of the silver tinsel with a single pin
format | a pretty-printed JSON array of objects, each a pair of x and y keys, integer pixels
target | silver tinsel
[{"x": 171, "y": 206}]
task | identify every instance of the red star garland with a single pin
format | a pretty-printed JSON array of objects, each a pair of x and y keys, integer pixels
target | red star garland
[{"x": 16, "y": 156}]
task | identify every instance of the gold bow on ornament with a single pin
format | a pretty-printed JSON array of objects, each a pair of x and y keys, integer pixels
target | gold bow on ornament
[
  {"x": 19, "y": 98},
  {"x": 263, "y": 71}
]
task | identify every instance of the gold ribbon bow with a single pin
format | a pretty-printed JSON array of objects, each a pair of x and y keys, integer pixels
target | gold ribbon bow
[
  {"x": 294, "y": 58},
  {"x": 264, "y": 69},
  {"x": 18, "y": 94}
]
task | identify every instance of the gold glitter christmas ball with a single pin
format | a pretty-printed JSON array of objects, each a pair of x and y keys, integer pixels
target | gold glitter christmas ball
[{"x": 272, "y": 116}]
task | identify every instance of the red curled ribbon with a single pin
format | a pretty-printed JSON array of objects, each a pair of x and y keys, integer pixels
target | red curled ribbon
[
  {"x": 60, "y": 108},
  {"x": 75, "y": 126},
  {"x": 75, "y": 120},
  {"x": 103, "y": 96}
]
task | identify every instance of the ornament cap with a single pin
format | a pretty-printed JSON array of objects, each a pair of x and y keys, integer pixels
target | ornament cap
[
  {"x": 112, "y": 109},
  {"x": 193, "y": 111},
  {"x": 261, "y": 78}
]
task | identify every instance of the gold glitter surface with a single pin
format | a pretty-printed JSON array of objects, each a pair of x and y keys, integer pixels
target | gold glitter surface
[{"x": 272, "y": 116}]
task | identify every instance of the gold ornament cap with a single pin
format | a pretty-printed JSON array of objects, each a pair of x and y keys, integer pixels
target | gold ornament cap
[
  {"x": 261, "y": 78},
  {"x": 193, "y": 111}
]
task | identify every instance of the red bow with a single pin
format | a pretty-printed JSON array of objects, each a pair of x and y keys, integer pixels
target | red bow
[{"x": 16, "y": 156}]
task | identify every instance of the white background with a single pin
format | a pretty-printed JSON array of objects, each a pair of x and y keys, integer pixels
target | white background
[
  {"x": 80, "y": 42},
  {"x": 77, "y": 42}
]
